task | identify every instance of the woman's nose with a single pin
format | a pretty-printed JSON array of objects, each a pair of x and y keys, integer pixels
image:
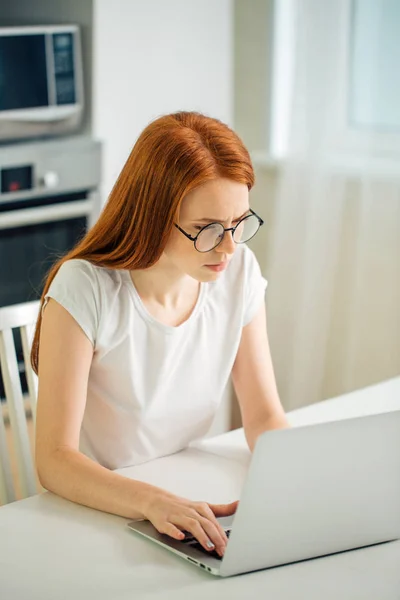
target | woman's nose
[{"x": 227, "y": 245}]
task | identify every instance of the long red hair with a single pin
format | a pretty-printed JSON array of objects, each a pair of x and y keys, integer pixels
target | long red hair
[{"x": 172, "y": 156}]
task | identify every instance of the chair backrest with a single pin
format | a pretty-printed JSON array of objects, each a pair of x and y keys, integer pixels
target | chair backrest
[{"x": 17, "y": 403}]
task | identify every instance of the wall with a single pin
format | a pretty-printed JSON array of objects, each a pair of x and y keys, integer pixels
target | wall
[
  {"x": 155, "y": 57},
  {"x": 252, "y": 64}
]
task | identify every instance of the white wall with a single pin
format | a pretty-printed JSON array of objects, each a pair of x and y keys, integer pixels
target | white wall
[{"x": 152, "y": 57}]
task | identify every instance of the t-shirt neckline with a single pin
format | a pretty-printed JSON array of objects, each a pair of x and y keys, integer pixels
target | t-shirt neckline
[{"x": 169, "y": 329}]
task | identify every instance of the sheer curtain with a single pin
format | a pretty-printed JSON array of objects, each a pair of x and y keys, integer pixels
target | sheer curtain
[{"x": 333, "y": 264}]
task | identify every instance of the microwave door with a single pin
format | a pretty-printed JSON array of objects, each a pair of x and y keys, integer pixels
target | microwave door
[{"x": 24, "y": 81}]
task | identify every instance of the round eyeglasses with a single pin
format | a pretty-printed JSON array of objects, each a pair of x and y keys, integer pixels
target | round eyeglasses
[{"x": 210, "y": 236}]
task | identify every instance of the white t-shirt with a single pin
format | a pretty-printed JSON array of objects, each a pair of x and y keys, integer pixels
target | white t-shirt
[{"x": 154, "y": 388}]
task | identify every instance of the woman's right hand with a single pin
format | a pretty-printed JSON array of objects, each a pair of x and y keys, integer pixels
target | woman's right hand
[{"x": 173, "y": 516}]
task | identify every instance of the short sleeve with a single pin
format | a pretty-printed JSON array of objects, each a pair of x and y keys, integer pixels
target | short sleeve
[
  {"x": 254, "y": 287},
  {"x": 76, "y": 288}
]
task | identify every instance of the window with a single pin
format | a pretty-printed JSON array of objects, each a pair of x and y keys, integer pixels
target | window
[{"x": 365, "y": 109}]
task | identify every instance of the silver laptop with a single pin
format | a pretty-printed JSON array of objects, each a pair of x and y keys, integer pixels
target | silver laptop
[{"x": 310, "y": 491}]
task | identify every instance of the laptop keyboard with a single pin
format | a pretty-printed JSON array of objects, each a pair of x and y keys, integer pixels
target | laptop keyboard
[{"x": 193, "y": 543}]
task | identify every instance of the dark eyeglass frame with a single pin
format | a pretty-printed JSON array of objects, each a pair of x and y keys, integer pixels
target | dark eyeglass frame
[{"x": 233, "y": 229}]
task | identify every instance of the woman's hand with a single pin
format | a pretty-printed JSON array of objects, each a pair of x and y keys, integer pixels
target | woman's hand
[{"x": 173, "y": 515}]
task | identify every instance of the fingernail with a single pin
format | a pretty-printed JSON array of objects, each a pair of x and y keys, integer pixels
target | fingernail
[{"x": 210, "y": 545}]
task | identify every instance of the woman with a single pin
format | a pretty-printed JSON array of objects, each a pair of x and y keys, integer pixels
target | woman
[{"x": 145, "y": 320}]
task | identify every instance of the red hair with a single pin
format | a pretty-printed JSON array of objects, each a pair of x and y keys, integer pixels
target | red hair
[{"x": 172, "y": 156}]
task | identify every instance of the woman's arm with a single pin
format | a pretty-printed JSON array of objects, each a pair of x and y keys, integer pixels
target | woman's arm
[
  {"x": 254, "y": 381},
  {"x": 64, "y": 363},
  {"x": 65, "y": 358}
]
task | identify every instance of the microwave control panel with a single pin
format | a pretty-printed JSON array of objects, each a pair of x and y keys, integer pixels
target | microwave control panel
[{"x": 63, "y": 55}]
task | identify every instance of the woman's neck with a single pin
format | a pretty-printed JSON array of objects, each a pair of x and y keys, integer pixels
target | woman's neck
[{"x": 164, "y": 285}]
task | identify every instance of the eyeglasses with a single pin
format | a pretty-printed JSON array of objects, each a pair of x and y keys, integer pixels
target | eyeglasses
[{"x": 210, "y": 236}]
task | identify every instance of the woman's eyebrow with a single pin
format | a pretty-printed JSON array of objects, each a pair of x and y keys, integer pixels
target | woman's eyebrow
[{"x": 205, "y": 220}]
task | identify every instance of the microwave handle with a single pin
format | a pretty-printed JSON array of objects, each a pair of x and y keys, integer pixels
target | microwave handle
[
  {"x": 46, "y": 214},
  {"x": 50, "y": 115}
]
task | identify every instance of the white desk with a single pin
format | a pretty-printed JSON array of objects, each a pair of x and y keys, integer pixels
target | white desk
[
  {"x": 382, "y": 397},
  {"x": 51, "y": 549}
]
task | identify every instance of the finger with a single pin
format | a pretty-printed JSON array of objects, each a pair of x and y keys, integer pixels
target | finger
[
  {"x": 195, "y": 528},
  {"x": 224, "y": 510},
  {"x": 215, "y": 533},
  {"x": 204, "y": 510},
  {"x": 172, "y": 531}
]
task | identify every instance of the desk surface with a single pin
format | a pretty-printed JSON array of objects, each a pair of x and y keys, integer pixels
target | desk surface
[
  {"x": 53, "y": 549},
  {"x": 381, "y": 397}
]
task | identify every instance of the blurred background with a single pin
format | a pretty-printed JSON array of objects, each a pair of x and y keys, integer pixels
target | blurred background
[{"x": 312, "y": 87}]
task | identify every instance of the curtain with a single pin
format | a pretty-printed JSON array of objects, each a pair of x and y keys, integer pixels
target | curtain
[{"x": 333, "y": 261}]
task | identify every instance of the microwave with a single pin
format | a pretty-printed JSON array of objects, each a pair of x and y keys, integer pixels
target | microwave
[{"x": 41, "y": 81}]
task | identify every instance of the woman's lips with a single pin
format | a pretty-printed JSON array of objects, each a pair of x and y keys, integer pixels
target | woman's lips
[{"x": 218, "y": 267}]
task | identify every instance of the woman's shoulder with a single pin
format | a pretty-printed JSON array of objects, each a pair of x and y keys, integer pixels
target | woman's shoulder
[
  {"x": 83, "y": 279},
  {"x": 90, "y": 293},
  {"x": 79, "y": 270}
]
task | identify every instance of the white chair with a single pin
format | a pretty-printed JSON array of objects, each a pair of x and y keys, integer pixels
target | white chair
[{"x": 22, "y": 317}]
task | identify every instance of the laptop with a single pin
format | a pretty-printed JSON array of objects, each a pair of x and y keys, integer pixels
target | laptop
[{"x": 310, "y": 491}]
